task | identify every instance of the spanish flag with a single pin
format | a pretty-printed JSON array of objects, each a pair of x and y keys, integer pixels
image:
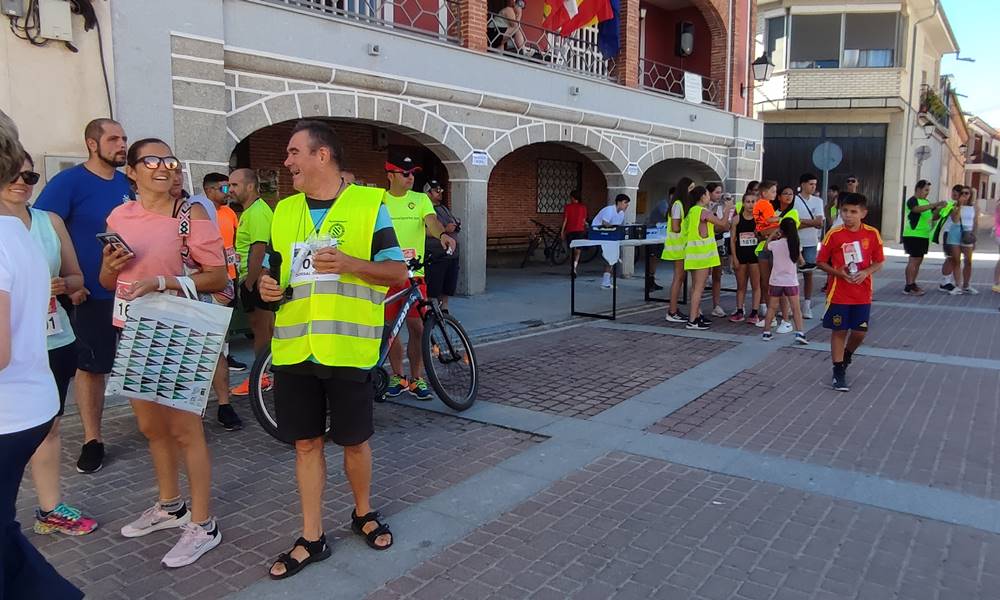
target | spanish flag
[
  {"x": 588, "y": 14},
  {"x": 558, "y": 13}
]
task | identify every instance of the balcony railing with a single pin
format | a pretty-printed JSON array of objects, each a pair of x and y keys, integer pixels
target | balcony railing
[
  {"x": 933, "y": 106},
  {"x": 440, "y": 19},
  {"x": 984, "y": 158},
  {"x": 670, "y": 80},
  {"x": 578, "y": 53}
]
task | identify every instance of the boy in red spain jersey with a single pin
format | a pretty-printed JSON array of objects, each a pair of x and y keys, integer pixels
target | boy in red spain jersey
[{"x": 851, "y": 253}]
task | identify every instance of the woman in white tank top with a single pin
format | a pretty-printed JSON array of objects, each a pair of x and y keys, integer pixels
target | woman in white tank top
[
  {"x": 964, "y": 222},
  {"x": 49, "y": 233}
]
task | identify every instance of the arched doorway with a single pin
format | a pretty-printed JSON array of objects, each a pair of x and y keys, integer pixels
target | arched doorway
[
  {"x": 366, "y": 146},
  {"x": 659, "y": 178},
  {"x": 531, "y": 185}
]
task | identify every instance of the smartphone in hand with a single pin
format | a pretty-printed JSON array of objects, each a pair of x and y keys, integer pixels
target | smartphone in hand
[{"x": 115, "y": 241}]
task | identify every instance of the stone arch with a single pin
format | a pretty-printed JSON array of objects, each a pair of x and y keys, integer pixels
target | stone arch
[
  {"x": 712, "y": 162},
  {"x": 424, "y": 126},
  {"x": 599, "y": 148}
]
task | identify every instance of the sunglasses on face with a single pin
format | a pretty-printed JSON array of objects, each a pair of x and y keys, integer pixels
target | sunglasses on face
[
  {"x": 28, "y": 177},
  {"x": 170, "y": 163},
  {"x": 405, "y": 173},
  {"x": 852, "y": 181}
]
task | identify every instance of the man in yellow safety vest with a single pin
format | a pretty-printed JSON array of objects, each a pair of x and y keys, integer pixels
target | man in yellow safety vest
[{"x": 333, "y": 255}]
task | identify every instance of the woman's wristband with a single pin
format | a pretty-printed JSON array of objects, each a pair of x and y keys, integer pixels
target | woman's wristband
[{"x": 161, "y": 283}]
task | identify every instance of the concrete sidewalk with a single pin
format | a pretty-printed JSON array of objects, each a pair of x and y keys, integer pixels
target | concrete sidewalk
[{"x": 627, "y": 459}]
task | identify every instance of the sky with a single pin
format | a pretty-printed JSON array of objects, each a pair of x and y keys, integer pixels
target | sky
[{"x": 974, "y": 24}]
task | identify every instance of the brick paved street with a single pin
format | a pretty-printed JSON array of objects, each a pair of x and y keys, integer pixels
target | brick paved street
[
  {"x": 418, "y": 455},
  {"x": 630, "y": 528},
  {"x": 627, "y": 459},
  {"x": 570, "y": 373},
  {"x": 932, "y": 424}
]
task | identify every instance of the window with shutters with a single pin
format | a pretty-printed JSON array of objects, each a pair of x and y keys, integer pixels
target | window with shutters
[{"x": 556, "y": 179}]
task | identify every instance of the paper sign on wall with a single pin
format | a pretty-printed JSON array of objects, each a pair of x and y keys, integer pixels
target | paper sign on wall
[
  {"x": 692, "y": 88},
  {"x": 479, "y": 158}
]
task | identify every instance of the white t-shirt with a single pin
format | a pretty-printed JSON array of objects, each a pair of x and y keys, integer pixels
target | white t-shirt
[
  {"x": 809, "y": 236},
  {"x": 677, "y": 210},
  {"x": 28, "y": 396},
  {"x": 208, "y": 205},
  {"x": 609, "y": 214}
]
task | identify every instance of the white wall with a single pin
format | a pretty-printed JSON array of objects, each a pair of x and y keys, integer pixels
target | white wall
[{"x": 51, "y": 92}]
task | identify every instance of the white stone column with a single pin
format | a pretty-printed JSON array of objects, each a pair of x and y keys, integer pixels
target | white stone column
[{"x": 468, "y": 203}]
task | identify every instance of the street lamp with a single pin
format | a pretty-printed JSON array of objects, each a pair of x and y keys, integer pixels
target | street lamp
[
  {"x": 929, "y": 129},
  {"x": 963, "y": 149},
  {"x": 761, "y": 68}
]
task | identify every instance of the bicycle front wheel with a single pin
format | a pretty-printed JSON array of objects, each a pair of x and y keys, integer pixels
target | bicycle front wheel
[
  {"x": 262, "y": 396},
  {"x": 450, "y": 362}
]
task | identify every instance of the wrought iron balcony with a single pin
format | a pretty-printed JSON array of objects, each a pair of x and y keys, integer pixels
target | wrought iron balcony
[
  {"x": 984, "y": 158},
  {"x": 442, "y": 22},
  {"x": 578, "y": 53},
  {"x": 670, "y": 80}
]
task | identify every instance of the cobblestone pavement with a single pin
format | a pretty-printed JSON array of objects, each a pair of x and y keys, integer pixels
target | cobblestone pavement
[
  {"x": 628, "y": 527},
  {"x": 582, "y": 372},
  {"x": 417, "y": 454},
  {"x": 947, "y": 332},
  {"x": 628, "y": 459},
  {"x": 932, "y": 424}
]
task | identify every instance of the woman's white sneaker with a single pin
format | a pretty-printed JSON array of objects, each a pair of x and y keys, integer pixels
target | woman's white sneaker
[
  {"x": 195, "y": 541},
  {"x": 156, "y": 519}
]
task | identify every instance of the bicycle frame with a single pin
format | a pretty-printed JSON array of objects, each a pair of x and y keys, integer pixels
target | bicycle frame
[{"x": 413, "y": 296}]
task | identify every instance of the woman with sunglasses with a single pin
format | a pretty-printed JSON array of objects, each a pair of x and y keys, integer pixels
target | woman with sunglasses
[
  {"x": 51, "y": 235},
  {"x": 149, "y": 226},
  {"x": 28, "y": 397}
]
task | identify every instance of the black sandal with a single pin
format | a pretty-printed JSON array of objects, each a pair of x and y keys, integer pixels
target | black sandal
[
  {"x": 317, "y": 550},
  {"x": 358, "y": 523}
]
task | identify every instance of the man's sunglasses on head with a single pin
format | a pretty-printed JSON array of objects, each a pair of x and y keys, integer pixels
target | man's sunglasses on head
[{"x": 28, "y": 177}]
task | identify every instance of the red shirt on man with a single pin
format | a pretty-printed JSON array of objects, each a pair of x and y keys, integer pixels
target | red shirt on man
[
  {"x": 576, "y": 217},
  {"x": 839, "y": 246}
]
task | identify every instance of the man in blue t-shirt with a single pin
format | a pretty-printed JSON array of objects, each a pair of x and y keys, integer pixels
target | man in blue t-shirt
[{"x": 84, "y": 196}]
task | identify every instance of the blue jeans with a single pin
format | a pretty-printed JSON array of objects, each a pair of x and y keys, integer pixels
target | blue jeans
[{"x": 24, "y": 573}]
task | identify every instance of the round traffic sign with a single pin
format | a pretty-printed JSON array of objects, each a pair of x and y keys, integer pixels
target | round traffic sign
[{"x": 827, "y": 156}]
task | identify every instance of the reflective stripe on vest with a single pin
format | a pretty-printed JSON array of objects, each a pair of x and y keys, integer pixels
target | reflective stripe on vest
[
  {"x": 336, "y": 323},
  {"x": 699, "y": 252},
  {"x": 673, "y": 246},
  {"x": 923, "y": 227},
  {"x": 288, "y": 332},
  {"x": 340, "y": 288}
]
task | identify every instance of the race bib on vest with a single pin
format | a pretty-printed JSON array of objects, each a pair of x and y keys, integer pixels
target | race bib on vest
[
  {"x": 53, "y": 324},
  {"x": 303, "y": 267},
  {"x": 748, "y": 239}
]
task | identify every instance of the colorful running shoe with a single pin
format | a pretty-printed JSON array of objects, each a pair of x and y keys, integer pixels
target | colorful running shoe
[
  {"x": 243, "y": 389},
  {"x": 64, "y": 519},
  {"x": 419, "y": 389},
  {"x": 397, "y": 385}
]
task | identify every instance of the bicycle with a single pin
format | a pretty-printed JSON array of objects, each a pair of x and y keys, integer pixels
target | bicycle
[
  {"x": 449, "y": 358},
  {"x": 556, "y": 251}
]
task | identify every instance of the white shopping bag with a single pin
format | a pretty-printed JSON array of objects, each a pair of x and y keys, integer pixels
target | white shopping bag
[{"x": 169, "y": 349}]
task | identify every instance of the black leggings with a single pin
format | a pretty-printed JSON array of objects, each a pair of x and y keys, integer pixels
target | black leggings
[{"x": 24, "y": 573}]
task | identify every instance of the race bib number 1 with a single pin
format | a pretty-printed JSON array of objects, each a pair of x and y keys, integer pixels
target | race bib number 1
[
  {"x": 852, "y": 253},
  {"x": 121, "y": 304},
  {"x": 53, "y": 325}
]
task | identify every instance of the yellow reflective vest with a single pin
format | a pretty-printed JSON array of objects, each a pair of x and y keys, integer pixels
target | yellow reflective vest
[
  {"x": 699, "y": 252},
  {"x": 335, "y": 323},
  {"x": 673, "y": 246}
]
